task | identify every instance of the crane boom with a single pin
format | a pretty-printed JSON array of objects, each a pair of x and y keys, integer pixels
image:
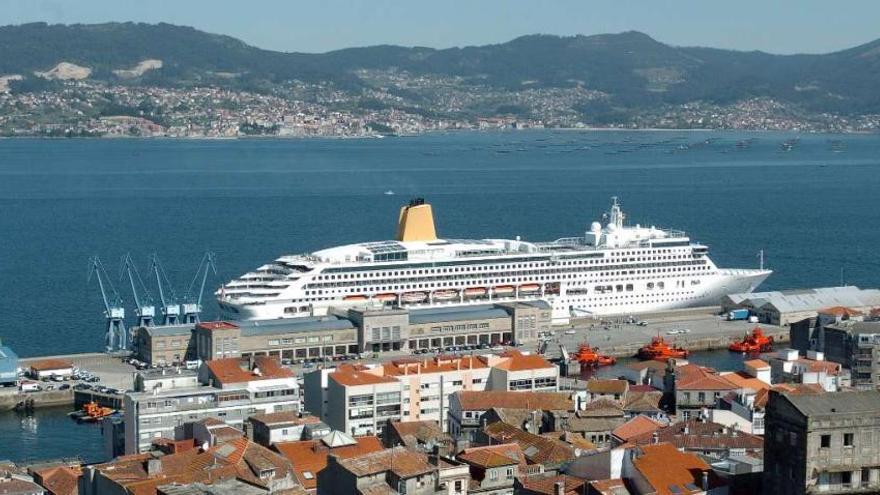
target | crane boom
[
  {"x": 170, "y": 306},
  {"x": 114, "y": 312},
  {"x": 143, "y": 300},
  {"x": 192, "y": 306}
]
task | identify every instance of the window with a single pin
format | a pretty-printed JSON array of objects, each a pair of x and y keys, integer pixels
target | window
[
  {"x": 308, "y": 475},
  {"x": 825, "y": 441},
  {"x": 847, "y": 439}
]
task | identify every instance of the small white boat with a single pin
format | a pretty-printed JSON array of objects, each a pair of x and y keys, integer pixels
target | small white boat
[
  {"x": 389, "y": 193},
  {"x": 529, "y": 288},
  {"x": 475, "y": 292},
  {"x": 386, "y": 297},
  {"x": 413, "y": 297},
  {"x": 503, "y": 290},
  {"x": 445, "y": 295}
]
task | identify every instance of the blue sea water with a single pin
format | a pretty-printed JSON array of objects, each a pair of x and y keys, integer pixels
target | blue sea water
[{"x": 813, "y": 209}]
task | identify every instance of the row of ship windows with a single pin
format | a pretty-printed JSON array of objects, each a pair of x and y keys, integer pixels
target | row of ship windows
[
  {"x": 479, "y": 278},
  {"x": 623, "y": 300},
  {"x": 517, "y": 266}
]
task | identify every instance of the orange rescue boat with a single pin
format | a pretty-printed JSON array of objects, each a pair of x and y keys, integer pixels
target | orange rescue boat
[
  {"x": 659, "y": 350},
  {"x": 588, "y": 356},
  {"x": 754, "y": 342}
]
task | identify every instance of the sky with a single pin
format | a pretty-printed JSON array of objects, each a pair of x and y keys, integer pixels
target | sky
[{"x": 775, "y": 26}]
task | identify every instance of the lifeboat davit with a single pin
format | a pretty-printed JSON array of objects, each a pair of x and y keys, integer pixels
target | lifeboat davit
[
  {"x": 445, "y": 295},
  {"x": 386, "y": 297},
  {"x": 503, "y": 290},
  {"x": 659, "y": 350},
  {"x": 588, "y": 356},
  {"x": 475, "y": 292},
  {"x": 754, "y": 342},
  {"x": 529, "y": 288}
]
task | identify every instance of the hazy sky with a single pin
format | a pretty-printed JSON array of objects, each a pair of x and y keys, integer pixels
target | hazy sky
[{"x": 778, "y": 26}]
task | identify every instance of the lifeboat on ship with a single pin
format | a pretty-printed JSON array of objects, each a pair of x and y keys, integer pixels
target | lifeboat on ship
[
  {"x": 475, "y": 292},
  {"x": 753, "y": 343},
  {"x": 529, "y": 288},
  {"x": 358, "y": 297},
  {"x": 504, "y": 290},
  {"x": 445, "y": 295},
  {"x": 659, "y": 350},
  {"x": 413, "y": 297},
  {"x": 587, "y": 356},
  {"x": 386, "y": 297}
]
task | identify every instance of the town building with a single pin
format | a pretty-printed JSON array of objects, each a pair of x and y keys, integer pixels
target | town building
[
  {"x": 467, "y": 408},
  {"x": 787, "y": 366},
  {"x": 423, "y": 436},
  {"x": 229, "y": 389},
  {"x": 711, "y": 440},
  {"x": 663, "y": 469},
  {"x": 856, "y": 345},
  {"x": 493, "y": 469},
  {"x": 57, "y": 478},
  {"x": 345, "y": 333},
  {"x": 310, "y": 457},
  {"x": 284, "y": 426},
  {"x": 691, "y": 388},
  {"x": 8, "y": 367},
  {"x": 787, "y": 307},
  {"x": 548, "y": 453},
  {"x": 395, "y": 470},
  {"x": 48, "y": 368},
  {"x": 825, "y": 443},
  {"x": 551, "y": 484},
  {"x": 360, "y": 399}
]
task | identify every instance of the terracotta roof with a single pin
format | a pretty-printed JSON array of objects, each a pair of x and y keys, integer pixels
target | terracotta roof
[
  {"x": 438, "y": 364},
  {"x": 234, "y": 370},
  {"x": 403, "y": 462},
  {"x": 483, "y": 401},
  {"x": 18, "y": 486},
  {"x": 285, "y": 418},
  {"x": 572, "y": 438},
  {"x": 597, "y": 386},
  {"x": 59, "y": 480},
  {"x": 652, "y": 364},
  {"x": 636, "y": 427},
  {"x": 517, "y": 361},
  {"x": 377, "y": 489},
  {"x": 50, "y": 364},
  {"x": 537, "y": 449},
  {"x": 349, "y": 376},
  {"x": 642, "y": 388},
  {"x": 671, "y": 472},
  {"x": 239, "y": 459},
  {"x": 216, "y": 325},
  {"x": 411, "y": 433},
  {"x": 504, "y": 454},
  {"x": 643, "y": 402},
  {"x": 763, "y": 396},
  {"x": 757, "y": 364},
  {"x": 701, "y": 435},
  {"x": 742, "y": 379},
  {"x": 310, "y": 456},
  {"x": 609, "y": 487},
  {"x": 546, "y": 485},
  {"x": 695, "y": 377}
]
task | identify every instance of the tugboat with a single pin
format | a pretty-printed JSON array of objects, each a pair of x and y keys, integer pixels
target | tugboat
[
  {"x": 91, "y": 411},
  {"x": 587, "y": 356},
  {"x": 659, "y": 350},
  {"x": 753, "y": 343}
]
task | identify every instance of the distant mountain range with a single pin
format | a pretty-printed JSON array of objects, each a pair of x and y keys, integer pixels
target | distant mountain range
[{"x": 635, "y": 70}]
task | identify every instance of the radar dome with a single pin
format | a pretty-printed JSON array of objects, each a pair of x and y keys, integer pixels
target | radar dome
[
  {"x": 595, "y": 227},
  {"x": 612, "y": 227}
]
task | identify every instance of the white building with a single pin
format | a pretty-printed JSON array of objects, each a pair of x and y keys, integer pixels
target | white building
[
  {"x": 227, "y": 389},
  {"x": 359, "y": 400}
]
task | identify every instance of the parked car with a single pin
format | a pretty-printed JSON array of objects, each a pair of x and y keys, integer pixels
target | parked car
[{"x": 65, "y": 386}]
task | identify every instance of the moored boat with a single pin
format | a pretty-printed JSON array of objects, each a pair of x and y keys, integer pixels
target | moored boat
[
  {"x": 475, "y": 291},
  {"x": 529, "y": 288},
  {"x": 445, "y": 295},
  {"x": 358, "y": 297},
  {"x": 387, "y": 297},
  {"x": 503, "y": 290},
  {"x": 413, "y": 297},
  {"x": 91, "y": 411},
  {"x": 753, "y": 342},
  {"x": 659, "y": 350},
  {"x": 587, "y": 356}
]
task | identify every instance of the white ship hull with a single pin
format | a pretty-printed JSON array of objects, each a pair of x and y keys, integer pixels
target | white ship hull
[{"x": 616, "y": 270}]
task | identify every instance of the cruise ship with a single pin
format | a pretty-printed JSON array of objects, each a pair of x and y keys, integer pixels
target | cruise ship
[{"x": 612, "y": 269}]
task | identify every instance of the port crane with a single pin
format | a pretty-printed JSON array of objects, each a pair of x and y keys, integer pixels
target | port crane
[
  {"x": 143, "y": 300},
  {"x": 114, "y": 311},
  {"x": 192, "y": 306},
  {"x": 170, "y": 306}
]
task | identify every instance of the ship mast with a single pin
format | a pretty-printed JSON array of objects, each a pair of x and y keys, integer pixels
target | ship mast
[{"x": 615, "y": 216}]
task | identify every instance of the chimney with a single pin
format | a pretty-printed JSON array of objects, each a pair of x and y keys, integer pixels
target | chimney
[
  {"x": 655, "y": 438},
  {"x": 154, "y": 467},
  {"x": 559, "y": 488},
  {"x": 705, "y": 481}
]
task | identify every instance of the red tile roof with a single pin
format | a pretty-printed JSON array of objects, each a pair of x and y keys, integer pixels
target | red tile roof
[
  {"x": 608, "y": 487},
  {"x": 401, "y": 461},
  {"x": 517, "y": 361},
  {"x": 757, "y": 364},
  {"x": 537, "y": 449},
  {"x": 216, "y": 325},
  {"x": 840, "y": 311},
  {"x": 59, "y": 480},
  {"x": 504, "y": 454},
  {"x": 638, "y": 426},
  {"x": 50, "y": 364},
  {"x": 438, "y": 364},
  {"x": 546, "y": 485},
  {"x": 664, "y": 467},
  {"x": 696, "y": 377},
  {"x": 744, "y": 380},
  {"x": 234, "y": 370},
  {"x": 701, "y": 435},
  {"x": 598, "y": 386},
  {"x": 483, "y": 401},
  {"x": 310, "y": 456},
  {"x": 350, "y": 376}
]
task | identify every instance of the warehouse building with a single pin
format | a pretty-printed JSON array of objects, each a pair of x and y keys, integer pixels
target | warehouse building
[
  {"x": 352, "y": 332},
  {"x": 786, "y": 307},
  {"x": 8, "y": 367}
]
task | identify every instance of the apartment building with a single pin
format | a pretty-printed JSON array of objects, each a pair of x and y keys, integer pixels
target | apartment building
[
  {"x": 228, "y": 389},
  {"x": 360, "y": 400}
]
